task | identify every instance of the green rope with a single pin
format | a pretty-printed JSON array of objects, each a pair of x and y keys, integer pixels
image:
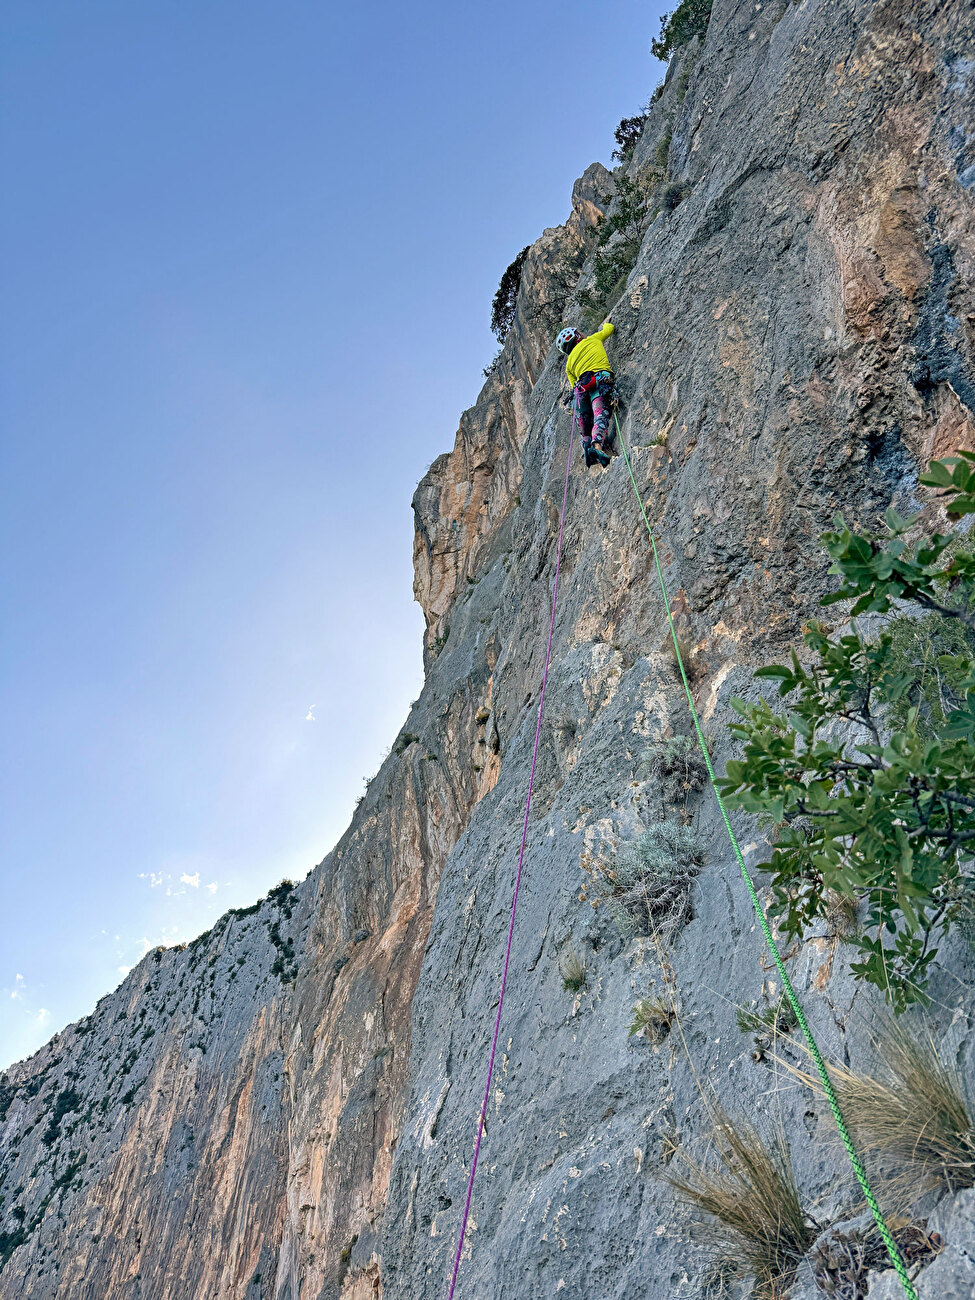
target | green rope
[{"x": 834, "y": 1105}]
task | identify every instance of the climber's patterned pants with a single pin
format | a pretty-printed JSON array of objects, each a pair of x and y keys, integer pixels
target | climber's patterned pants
[{"x": 591, "y": 405}]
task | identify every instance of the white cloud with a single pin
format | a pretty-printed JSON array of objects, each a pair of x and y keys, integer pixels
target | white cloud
[
  {"x": 212, "y": 886},
  {"x": 42, "y": 1016},
  {"x": 194, "y": 880},
  {"x": 18, "y": 989},
  {"x": 310, "y": 715}
]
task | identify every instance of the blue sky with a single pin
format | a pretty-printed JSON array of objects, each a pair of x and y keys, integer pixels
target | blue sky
[{"x": 248, "y": 252}]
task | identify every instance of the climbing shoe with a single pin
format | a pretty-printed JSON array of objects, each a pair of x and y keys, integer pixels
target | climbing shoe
[
  {"x": 589, "y": 454},
  {"x": 600, "y": 456}
]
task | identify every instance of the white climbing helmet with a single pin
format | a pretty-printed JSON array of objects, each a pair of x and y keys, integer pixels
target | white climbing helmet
[{"x": 567, "y": 340}]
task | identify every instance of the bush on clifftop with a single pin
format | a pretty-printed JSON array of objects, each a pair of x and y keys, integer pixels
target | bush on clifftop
[
  {"x": 689, "y": 19},
  {"x": 506, "y": 298},
  {"x": 627, "y": 134}
]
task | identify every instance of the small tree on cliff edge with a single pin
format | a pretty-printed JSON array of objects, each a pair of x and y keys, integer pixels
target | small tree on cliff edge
[
  {"x": 627, "y": 134},
  {"x": 870, "y": 789},
  {"x": 689, "y": 19},
  {"x": 506, "y": 298}
]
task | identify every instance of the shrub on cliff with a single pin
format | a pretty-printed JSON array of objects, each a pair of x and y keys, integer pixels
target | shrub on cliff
[
  {"x": 506, "y": 298},
  {"x": 689, "y": 19},
  {"x": 870, "y": 790},
  {"x": 627, "y": 134},
  {"x": 677, "y": 769},
  {"x": 649, "y": 885},
  {"x": 67, "y": 1101}
]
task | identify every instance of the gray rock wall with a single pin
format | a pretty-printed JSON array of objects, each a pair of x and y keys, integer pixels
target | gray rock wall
[{"x": 771, "y": 338}]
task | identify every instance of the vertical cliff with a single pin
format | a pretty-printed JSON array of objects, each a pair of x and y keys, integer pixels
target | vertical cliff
[{"x": 284, "y": 1110}]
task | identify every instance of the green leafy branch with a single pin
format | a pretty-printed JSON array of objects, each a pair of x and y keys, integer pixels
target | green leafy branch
[{"x": 881, "y": 814}]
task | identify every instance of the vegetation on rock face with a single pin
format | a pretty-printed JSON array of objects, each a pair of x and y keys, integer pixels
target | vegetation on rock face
[
  {"x": 872, "y": 796},
  {"x": 676, "y": 766},
  {"x": 67, "y": 1100},
  {"x": 652, "y": 1018},
  {"x": 573, "y": 971},
  {"x": 765, "y": 1022},
  {"x": 672, "y": 194},
  {"x": 689, "y": 19},
  {"x": 912, "y": 1109},
  {"x": 757, "y": 1219},
  {"x": 844, "y": 1263},
  {"x": 646, "y": 889},
  {"x": 650, "y": 882},
  {"x": 506, "y": 298},
  {"x": 917, "y": 648},
  {"x": 627, "y": 134}
]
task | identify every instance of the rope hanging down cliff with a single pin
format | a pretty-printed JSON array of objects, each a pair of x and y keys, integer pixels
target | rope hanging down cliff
[
  {"x": 827, "y": 1084},
  {"x": 514, "y": 899}
]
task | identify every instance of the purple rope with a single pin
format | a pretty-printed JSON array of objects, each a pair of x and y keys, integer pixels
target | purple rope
[{"x": 514, "y": 899}]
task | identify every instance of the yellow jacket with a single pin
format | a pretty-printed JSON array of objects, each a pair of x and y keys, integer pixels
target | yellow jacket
[{"x": 588, "y": 355}]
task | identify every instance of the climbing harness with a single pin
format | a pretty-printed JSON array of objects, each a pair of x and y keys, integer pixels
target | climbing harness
[
  {"x": 811, "y": 1044},
  {"x": 514, "y": 899}
]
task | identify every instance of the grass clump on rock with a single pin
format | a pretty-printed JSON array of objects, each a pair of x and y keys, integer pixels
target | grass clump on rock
[
  {"x": 573, "y": 971},
  {"x": 755, "y": 1214},
  {"x": 912, "y": 1108},
  {"x": 765, "y": 1022},
  {"x": 652, "y": 1018}
]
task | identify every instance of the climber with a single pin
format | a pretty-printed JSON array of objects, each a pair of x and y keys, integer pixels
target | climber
[{"x": 592, "y": 386}]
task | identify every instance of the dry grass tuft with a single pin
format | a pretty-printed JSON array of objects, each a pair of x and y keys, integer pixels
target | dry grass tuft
[
  {"x": 653, "y": 1017},
  {"x": 757, "y": 1218},
  {"x": 573, "y": 971},
  {"x": 913, "y": 1110},
  {"x": 842, "y": 920},
  {"x": 765, "y": 1022}
]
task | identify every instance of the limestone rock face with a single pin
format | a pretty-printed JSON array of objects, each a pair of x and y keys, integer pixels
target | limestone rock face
[{"x": 285, "y": 1110}]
